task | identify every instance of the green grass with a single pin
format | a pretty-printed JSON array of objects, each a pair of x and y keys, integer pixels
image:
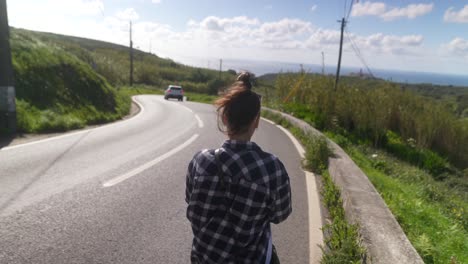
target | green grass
[
  {"x": 432, "y": 212},
  {"x": 342, "y": 242},
  {"x": 433, "y": 215},
  {"x": 201, "y": 98},
  {"x": 56, "y": 91}
]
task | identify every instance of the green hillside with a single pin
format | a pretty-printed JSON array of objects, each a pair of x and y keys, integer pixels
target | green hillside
[
  {"x": 112, "y": 62},
  {"x": 67, "y": 82}
]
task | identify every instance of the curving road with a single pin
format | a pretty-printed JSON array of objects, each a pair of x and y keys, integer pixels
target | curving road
[{"x": 115, "y": 194}]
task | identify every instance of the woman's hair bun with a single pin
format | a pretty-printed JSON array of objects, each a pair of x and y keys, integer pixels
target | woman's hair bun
[{"x": 245, "y": 78}]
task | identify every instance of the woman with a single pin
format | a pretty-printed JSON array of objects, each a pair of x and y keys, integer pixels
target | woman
[{"x": 236, "y": 191}]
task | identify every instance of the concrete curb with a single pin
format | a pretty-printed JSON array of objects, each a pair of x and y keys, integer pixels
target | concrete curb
[{"x": 381, "y": 234}]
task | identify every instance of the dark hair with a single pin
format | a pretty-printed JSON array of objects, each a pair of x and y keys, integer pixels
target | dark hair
[{"x": 239, "y": 106}]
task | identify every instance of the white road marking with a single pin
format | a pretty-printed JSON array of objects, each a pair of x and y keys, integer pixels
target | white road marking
[
  {"x": 142, "y": 109},
  {"x": 315, "y": 220},
  {"x": 267, "y": 120},
  {"x": 149, "y": 164},
  {"x": 186, "y": 108},
  {"x": 200, "y": 122}
]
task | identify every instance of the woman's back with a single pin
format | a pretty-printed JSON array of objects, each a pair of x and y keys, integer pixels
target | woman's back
[
  {"x": 236, "y": 191},
  {"x": 231, "y": 223}
]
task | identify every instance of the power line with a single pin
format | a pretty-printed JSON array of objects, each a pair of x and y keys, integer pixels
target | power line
[
  {"x": 350, "y": 9},
  {"x": 358, "y": 53},
  {"x": 345, "y": 6}
]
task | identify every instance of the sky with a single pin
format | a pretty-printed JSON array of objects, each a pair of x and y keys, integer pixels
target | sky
[{"x": 407, "y": 35}]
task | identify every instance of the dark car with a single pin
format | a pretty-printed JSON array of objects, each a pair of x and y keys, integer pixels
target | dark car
[{"x": 174, "y": 91}]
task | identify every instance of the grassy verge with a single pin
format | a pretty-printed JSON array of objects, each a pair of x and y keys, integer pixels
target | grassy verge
[
  {"x": 63, "y": 118},
  {"x": 433, "y": 215},
  {"x": 431, "y": 210},
  {"x": 342, "y": 243},
  {"x": 201, "y": 98},
  {"x": 31, "y": 119}
]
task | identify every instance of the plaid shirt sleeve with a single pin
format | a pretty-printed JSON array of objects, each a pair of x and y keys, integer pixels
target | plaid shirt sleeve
[
  {"x": 281, "y": 207},
  {"x": 190, "y": 172}
]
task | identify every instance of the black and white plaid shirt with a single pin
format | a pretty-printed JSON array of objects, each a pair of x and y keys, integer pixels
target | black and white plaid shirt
[{"x": 231, "y": 221}]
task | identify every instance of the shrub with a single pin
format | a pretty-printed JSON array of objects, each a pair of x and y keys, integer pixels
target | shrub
[
  {"x": 370, "y": 109},
  {"x": 342, "y": 240},
  {"x": 317, "y": 153}
]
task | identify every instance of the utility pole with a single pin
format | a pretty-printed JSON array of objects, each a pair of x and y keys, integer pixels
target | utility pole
[
  {"x": 343, "y": 24},
  {"x": 220, "y": 67},
  {"x": 323, "y": 63},
  {"x": 7, "y": 89},
  {"x": 131, "y": 55}
]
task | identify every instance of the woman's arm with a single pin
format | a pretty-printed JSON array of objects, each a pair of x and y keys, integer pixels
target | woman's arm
[{"x": 282, "y": 207}]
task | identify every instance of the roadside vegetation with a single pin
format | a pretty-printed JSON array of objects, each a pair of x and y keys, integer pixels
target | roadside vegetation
[
  {"x": 432, "y": 214},
  {"x": 412, "y": 148},
  {"x": 65, "y": 83},
  {"x": 342, "y": 241}
]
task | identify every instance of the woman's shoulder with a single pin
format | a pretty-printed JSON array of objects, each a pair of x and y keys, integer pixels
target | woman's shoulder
[
  {"x": 269, "y": 156},
  {"x": 203, "y": 155},
  {"x": 203, "y": 158}
]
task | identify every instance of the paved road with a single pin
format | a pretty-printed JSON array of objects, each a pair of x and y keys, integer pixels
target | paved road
[{"x": 55, "y": 206}]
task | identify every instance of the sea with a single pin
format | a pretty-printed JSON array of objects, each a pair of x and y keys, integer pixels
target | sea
[{"x": 265, "y": 67}]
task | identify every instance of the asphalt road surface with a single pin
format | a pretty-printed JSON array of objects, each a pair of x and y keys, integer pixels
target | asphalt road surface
[{"x": 115, "y": 194}]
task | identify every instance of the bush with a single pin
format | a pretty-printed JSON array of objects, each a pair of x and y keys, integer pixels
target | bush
[
  {"x": 342, "y": 240},
  {"x": 317, "y": 153}
]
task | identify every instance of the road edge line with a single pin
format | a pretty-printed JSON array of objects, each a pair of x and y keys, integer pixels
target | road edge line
[
  {"x": 268, "y": 121},
  {"x": 200, "y": 122}
]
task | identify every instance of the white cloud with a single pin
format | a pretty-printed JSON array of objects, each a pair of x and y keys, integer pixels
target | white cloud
[
  {"x": 284, "y": 28},
  {"x": 214, "y": 23},
  {"x": 368, "y": 9},
  {"x": 456, "y": 17},
  {"x": 381, "y": 10},
  {"x": 390, "y": 44},
  {"x": 375, "y": 44},
  {"x": 268, "y": 7},
  {"x": 156, "y": 1},
  {"x": 323, "y": 38},
  {"x": 457, "y": 47},
  {"x": 411, "y": 11},
  {"x": 128, "y": 14},
  {"x": 313, "y": 8}
]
